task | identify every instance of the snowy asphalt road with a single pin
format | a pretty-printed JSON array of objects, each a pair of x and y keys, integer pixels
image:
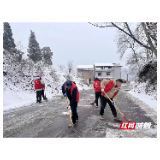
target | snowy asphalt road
[{"x": 47, "y": 120}]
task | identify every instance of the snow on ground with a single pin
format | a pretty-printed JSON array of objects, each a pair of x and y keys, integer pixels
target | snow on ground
[
  {"x": 149, "y": 100},
  {"x": 15, "y": 96},
  {"x": 127, "y": 133},
  {"x": 13, "y": 99},
  {"x": 65, "y": 113},
  {"x": 150, "y": 112},
  {"x": 138, "y": 91},
  {"x": 148, "y": 103}
]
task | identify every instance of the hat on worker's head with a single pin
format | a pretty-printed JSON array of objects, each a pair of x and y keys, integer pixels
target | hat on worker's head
[
  {"x": 68, "y": 84},
  {"x": 120, "y": 80}
]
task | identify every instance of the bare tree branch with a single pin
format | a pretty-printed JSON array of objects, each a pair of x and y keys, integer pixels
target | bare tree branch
[
  {"x": 149, "y": 39},
  {"x": 131, "y": 36}
]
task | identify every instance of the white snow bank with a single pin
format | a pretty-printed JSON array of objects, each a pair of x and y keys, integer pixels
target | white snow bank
[
  {"x": 149, "y": 100},
  {"x": 138, "y": 91},
  {"x": 15, "y": 96},
  {"x": 14, "y": 99}
]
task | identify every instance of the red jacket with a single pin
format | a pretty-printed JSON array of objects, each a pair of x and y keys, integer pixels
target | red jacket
[
  {"x": 108, "y": 87},
  {"x": 38, "y": 85},
  {"x": 74, "y": 87},
  {"x": 42, "y": 85},
  {"x": 97, "y": 86}
]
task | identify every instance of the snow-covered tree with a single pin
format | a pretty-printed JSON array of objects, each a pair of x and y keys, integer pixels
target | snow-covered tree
[
  {"x": 138, "y": 44},
  {"x": 34, "y": 49},
  {"x": 61, "y": 67},
  {"x": 70, "y": 66},
  {"x": 69, "y": 70},
  {"x": 8, "y": 41},
  {"x": 128, "y": 74},
  {"x": 125, "y": 28},
  {"x": 47, "y": 55},
  {"x": 142, "y": 61}
]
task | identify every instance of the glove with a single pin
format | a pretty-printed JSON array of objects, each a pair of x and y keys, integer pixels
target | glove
[
  {"x": 64, "y": 95},
  {"x": 103, "y": 90},
  {"x": 113, "y": 103},
  {"x": 68, "y": 107}
]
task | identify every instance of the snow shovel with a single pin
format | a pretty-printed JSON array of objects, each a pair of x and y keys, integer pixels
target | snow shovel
[
  {"x": 117, "y": 109},
  {"x": 69, "y": 111},
  {"x": 45, "y": 93}
]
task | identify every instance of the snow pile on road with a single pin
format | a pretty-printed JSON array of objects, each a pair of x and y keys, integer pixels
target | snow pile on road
[
  {"x": 65, "y": 113},
  {"x": 139, "y": 92}
]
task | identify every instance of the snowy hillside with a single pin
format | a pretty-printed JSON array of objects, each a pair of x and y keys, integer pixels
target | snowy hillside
[{"x": 18, "y": 91}]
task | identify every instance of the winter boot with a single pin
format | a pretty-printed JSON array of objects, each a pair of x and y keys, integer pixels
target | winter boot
[
  {"x": 72, "y": 125},
  {"x": 117, "y": 119},
  {"x": 92, "y": 103},
  {"x": 101, "y": 118}
]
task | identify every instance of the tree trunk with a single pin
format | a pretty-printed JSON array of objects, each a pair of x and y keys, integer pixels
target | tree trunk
[{"x": 149, "y": 39}]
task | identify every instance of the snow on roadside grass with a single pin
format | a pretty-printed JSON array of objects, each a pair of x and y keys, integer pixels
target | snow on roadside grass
[
  {"x": 150, "y": 112},
  {"x": 149, "y": 100},
  {"x": 138, "y": 91}
]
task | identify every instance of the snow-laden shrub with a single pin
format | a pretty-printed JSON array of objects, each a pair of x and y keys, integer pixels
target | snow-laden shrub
[{"x": 148, "y": 75}]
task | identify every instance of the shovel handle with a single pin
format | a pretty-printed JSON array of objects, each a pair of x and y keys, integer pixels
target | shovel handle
[
  {"x": 117, "y": 109},
  {"x": 69, "y": 111}
]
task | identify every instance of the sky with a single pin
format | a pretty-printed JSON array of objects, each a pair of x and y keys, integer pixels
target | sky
[{"x": 80, "y": 42}]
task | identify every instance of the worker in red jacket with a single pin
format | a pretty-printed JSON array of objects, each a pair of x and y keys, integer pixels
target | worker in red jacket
[
  {"x": 111, "y": 89},
  {"x": 97, "y": 88},
  {"x": 38, "y": 86}
]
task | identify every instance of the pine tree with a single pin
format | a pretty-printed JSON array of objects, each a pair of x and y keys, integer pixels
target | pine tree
[
  {"x": 8, "y": 41},
  {"x": 34, "y": 49},
  {"x": 47, "y": 55}
]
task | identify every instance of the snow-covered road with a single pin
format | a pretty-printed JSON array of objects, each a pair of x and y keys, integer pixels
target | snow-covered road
[{"x": 49, "y": 120}]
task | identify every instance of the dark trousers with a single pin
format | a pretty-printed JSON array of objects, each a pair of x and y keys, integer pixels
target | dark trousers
[
  {"x": 38, "y": 96},
  {"x": 104, "y": 101},
  {"x": 97, "y": 96},
  {"x": 74, "y": 112}
]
